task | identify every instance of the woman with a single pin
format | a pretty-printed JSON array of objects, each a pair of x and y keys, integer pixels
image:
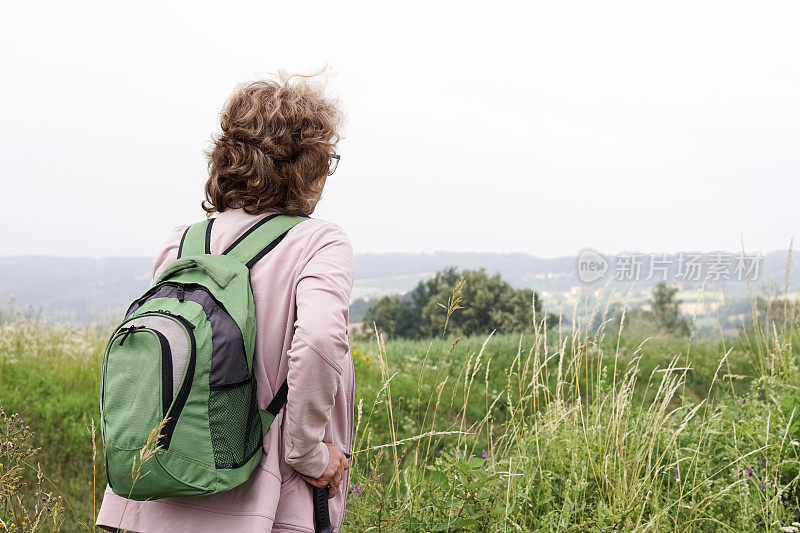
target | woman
[{"x": 276, "y": 149}]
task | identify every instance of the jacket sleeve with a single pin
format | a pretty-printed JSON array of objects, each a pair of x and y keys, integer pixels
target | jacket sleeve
[
  {"x": 169, "y": 251},
  {"x": 319, "y": 348}
]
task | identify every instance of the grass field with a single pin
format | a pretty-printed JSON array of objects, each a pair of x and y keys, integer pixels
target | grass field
[{"x": 573, "y": 430}]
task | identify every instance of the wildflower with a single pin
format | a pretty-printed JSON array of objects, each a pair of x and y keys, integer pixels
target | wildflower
[
  {"x": 764, "y": 486},
  {"x": 471, "y": 457},
  {"x": 749, "y": 473},
  {"x": 677, "y": 474},
  {"x": 760, "y": 395},
  {"x": 744, "y": 401},
  {"x": 25, "y": 518},
  {"x": 758, "y": 462},
  {"x": 356, "y": 492},
  {"x": 371, "y": 475},
  {"x": 484, "y": 455}
]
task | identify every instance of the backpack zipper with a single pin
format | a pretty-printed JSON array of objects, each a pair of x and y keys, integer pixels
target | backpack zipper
[
  {"x": 181, "y": 286},
  {"x": 166, "y": 363},
  {"x": 128, "y": 331},
  {"x": 171, "y": 412},
  {"x": 166, "y": 372},
  {"x": 181, "y": 318}
]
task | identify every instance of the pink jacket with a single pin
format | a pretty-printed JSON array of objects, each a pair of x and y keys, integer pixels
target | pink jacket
[{"x": 302, "y": 293}]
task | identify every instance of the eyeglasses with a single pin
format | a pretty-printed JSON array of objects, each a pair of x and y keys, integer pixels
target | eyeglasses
[{"x": 333, "y": 163}]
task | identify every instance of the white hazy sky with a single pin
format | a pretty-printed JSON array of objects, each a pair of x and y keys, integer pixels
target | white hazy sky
[{"x": 540, "y": 127}]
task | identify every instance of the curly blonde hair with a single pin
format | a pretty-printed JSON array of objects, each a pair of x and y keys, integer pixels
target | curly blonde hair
[{"x": 274, "y": 150}]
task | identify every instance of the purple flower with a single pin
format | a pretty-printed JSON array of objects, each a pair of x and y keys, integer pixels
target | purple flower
[
  {"x": 371, "y": 475},
  {"x": 744, "y": 401},
  {"x": 484, "y": 455},
  {"x": 749, "y": 473},
  {"x": 677, "y": 474},
  {"x": 356, "y": 492},
  {"x": 764, "y": 486},
  {"x": 471, "y": 457},
  {"x": 758, "y": 461},
  {"x": 760, "y": 395}
]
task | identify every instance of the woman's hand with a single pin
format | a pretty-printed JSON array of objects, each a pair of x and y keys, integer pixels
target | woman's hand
[{"x": 334, "y": 473}]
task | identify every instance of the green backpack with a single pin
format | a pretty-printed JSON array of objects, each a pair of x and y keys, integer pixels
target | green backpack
[{"x": 183, "y": 359}]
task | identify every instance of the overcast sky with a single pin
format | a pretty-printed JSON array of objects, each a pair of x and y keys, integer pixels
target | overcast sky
[{"x": 639, "y": 126}]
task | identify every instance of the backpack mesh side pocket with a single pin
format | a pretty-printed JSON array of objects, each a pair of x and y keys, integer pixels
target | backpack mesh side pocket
[{"x": 235, "y": 424}]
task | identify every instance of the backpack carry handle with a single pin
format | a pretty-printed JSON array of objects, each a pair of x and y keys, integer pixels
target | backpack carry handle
[{"x": 220, "y": 276}]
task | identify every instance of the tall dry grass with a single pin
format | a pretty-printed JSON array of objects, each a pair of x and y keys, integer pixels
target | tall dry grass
[{"x": 578, "y": 438}]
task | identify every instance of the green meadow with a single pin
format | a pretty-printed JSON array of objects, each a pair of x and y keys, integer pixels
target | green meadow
[{"x": 573, "y": 428}]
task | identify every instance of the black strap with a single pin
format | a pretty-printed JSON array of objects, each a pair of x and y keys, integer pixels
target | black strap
[
  {"x": 279, "y": 400},
  {"x": 197, "y": 239},
  {"x": 208, "y": 235},
  {"x": 180, "y": 247},
  {"x": 266, "y": 250},
  {"x": 247, "y": 233},
  {"x": 247, "y": 248},
  {"x": 270, "y": 246}
]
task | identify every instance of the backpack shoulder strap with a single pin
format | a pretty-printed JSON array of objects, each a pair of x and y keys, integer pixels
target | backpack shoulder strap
[
  {"x": 249, "y": 248},
  {"x": 262, "y": 237},
  {"x": 196, "y": 239},
  {"x": 269, "y": 414}
]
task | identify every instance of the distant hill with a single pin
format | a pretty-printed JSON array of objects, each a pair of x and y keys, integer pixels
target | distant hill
[
  {"x": 87, "y": 289},
  {"x": 80, "y": 289}
]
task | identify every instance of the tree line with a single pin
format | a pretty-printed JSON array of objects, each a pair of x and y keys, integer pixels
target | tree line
[{"x": 487, "y": 303}]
